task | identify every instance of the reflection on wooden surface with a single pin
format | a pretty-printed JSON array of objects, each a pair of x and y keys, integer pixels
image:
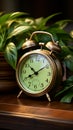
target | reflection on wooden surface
[{"x": 27, "y": 112}]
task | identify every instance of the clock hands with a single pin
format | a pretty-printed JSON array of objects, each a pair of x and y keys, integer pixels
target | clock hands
[
  {"x": 41, "y": 68},
  {"x": 35, "y": 72}
]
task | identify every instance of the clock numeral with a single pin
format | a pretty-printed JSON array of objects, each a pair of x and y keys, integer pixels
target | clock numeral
[
  {"x": 26, "y": 65},
  {"x": 47, "y": 66},
  {"x": 47, "y": 80},
  {"x": 31, "y": 60},
  {"x": 29, "y": 84},
  {"x": 24, "y": 71},
  {"x": 43, "y": 61},
  {"x": 42, "y": 85},
  {"x": 38, "y": 60},
  {"x": 35, "y": 86},
  {"x": 49, "y": 73}
]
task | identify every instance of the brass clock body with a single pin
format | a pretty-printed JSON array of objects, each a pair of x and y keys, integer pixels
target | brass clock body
[{"x": 38, "y": 72}]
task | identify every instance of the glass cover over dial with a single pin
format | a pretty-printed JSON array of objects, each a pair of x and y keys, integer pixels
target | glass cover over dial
[{"x": 35, "y": 73}]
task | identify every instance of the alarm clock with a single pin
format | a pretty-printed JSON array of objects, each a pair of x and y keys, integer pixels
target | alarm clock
[{"x": 39, "y": 70}]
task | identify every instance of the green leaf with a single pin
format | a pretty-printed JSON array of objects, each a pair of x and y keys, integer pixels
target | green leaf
[
  {"x": 61, "y": 34},
  {"x": 19, "y": 45},
  {"x": 38, "y": 20},
  {"x": 3, "y": 35},
  {"x": 1, "y": 42},
  {"x": 19, "y": 30},
  {"x": 11, "y": 54},
  {"x": 42, "y": 38},
  {"x": 65, "y": 50},
  {"x": 29, "y": 21},
  {"x": 1, "y": 13},
  {"x": 11, "y": 26},
  {"x": 70, "y": 79},
  {"x": 68, "y": 82},
  {"x": 51, "y": 16},
  {"x": 4, "y": 18},
  {"x": 56, "y": 30},
  {"x": 67, "y": 98},
  {"x": 67, "y": 85},
  {"x": 41, "y": 22},
  {"x": 62, "y": 23},
  {"x": 8, "y": 16},
  {"x": 64, "y": 37},
  {"x": 17, "y": 14},
  {"x": 68, "y": 60},
  {"x": 65, "y": 89}
]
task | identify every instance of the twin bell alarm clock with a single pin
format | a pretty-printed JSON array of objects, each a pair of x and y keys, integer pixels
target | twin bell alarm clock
[{"x": 39, "y": 70}]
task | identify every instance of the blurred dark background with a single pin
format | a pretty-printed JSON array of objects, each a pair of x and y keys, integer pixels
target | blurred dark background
[{"x": 38, "y": 8}]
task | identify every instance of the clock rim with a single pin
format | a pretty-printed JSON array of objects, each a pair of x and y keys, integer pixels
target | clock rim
[{"x": 54, "y": 67}]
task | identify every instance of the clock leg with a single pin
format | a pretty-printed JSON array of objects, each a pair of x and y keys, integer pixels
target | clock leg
[
  {"x": 19, "y": 94},
  {"x": 48, "y": 97}
]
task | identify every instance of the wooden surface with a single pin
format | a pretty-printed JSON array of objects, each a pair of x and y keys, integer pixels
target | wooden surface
[
  {"x": 7, "y": 75},
  {"x": 28, "y": 113}
]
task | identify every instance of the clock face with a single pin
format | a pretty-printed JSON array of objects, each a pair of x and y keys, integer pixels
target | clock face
[{"x": 35, "y": 73}]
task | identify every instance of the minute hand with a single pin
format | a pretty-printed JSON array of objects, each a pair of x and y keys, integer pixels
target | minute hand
[
  {"x": 35, "y": 73},
  {"x": 41, "y": 68}
]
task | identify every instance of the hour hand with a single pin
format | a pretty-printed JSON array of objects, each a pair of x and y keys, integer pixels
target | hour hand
[
  {"x": 31, "y": 68},
  {"x": 34, "y": 73},
  {"x": 30, "y": 75}
]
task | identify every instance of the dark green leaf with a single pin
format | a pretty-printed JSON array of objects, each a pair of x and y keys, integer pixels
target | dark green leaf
[
  {"x": 64, "y": 37},
  {"x": 3, "y": 35},
  {"x": 1, "y": 13},
  {"x": 68, "y": 82},
  {"x": 19, "y": 45},
  {"x": 1, "y": 42},
  {"x": 42, "y": 38},
  {"x": 4, "y": 18},
  {"x": 70, "y": 47},
  {"x": 66, "y": 88},
  {"x": 41, "y": 22},
  {"x": 67, "y": 85},
  {"x": 70, "y": 79},
  {"x": 65, "y": 50},
  {"x": 19, "y": 30},
  {"x": 11, "y": 54},
  {"x": 67, "y": 98},
  {"x": 50, "y": 17},
  {"x": 56, "y": 30},
  {"x": 68, "y": 60},
  {"x": 63, "y": 23},
  {"x": 17, "y": 14},
  {"x": 11, "y": 26}
]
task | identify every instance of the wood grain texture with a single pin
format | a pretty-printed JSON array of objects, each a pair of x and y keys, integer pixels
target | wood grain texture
[
  {"x": 7, "y": 76},
  {"x": 33, "y": 114}
]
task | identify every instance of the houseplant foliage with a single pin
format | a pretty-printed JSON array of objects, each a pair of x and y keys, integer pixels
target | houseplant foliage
[{"x": 17, "y": 26}]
